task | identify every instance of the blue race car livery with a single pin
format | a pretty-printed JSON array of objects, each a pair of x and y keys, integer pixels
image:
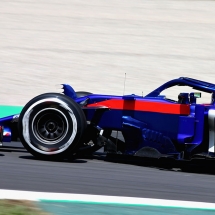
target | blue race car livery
[{"x": 56, "y": 126}]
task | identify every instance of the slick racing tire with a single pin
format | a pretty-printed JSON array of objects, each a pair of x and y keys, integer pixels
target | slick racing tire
[
  {"x": 51, "y": 126},
  {"x": 82, "y": 93}
]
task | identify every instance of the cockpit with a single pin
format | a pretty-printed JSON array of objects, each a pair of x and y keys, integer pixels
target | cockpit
[{"x": 188, "y": 98}]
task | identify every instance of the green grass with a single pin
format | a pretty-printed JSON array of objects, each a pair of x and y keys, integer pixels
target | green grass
[{"x": 17, "y": 207}]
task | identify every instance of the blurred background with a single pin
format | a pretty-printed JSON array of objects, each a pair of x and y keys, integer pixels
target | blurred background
[{"x": 92, "y": 44}]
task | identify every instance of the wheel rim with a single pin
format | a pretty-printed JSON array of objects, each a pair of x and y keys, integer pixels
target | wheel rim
[{"x": 50, "y": 126}]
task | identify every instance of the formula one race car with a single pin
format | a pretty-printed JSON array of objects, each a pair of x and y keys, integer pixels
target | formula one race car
[{"x": 55, "y": 126}]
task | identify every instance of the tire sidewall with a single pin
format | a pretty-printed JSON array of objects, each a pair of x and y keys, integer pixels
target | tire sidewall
[{"x": 72, "y": 113}]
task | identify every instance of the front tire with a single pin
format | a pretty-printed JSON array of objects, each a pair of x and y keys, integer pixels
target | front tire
[
  {"x": 82, "y": 93},
  {"x": 51, "y": 126}
]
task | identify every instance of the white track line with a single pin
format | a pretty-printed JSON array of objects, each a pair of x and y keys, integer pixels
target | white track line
[{"x": 39, "y": 196}]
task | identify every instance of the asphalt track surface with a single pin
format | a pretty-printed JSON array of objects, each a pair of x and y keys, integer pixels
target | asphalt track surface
[{"x": 20, "y": 171}]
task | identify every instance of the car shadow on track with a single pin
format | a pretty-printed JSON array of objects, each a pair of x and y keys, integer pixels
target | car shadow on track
[
  {"x": 31, "y": 157},
  {"x": 13, "y": 149},
  {"x": 145, "y": 163},
  {"x": 166, "y": 165},
  {"x": 188, "y": 169}
]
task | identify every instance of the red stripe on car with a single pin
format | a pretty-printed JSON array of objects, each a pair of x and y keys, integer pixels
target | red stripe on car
[{"x": 149, "y": 106}]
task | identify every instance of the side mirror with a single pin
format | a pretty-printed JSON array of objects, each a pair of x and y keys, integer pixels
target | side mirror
[{"x": 194, "y": 96}]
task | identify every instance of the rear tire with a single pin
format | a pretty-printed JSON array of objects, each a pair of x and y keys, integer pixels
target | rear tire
[{"x": 51, "y": 126}]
